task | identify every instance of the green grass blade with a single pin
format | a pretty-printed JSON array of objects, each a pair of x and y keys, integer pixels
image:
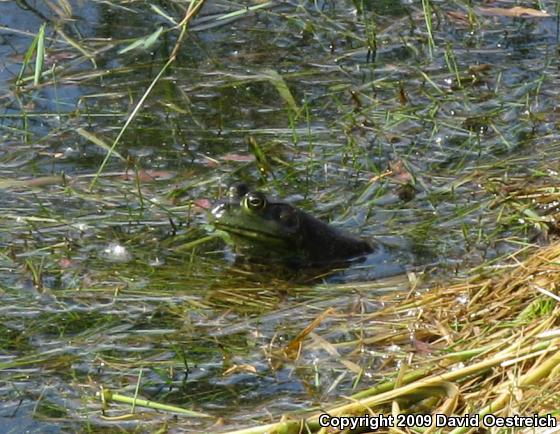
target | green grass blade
[
  {"x": 27, "y": 58},
  {"x": 278, "y": 82},
  {"x": 144, "y": 42},
  {"x": 107, "y": 396},
  {"x": 99, "y": 142},
  {"x": 40, "y": 55},
  {"x": 162, "y": 13}
]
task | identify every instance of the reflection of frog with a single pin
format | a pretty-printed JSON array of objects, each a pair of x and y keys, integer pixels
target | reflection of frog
[{"x": 278, "y": 231}]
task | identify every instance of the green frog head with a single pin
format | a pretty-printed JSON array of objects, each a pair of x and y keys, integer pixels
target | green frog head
[{"x": 269, "y": 230}]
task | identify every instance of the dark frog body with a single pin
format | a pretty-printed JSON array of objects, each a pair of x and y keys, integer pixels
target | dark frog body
[{"x": 277, "y": 231}]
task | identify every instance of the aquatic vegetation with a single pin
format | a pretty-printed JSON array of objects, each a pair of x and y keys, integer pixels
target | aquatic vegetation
[{"x": 429, "y": 124}]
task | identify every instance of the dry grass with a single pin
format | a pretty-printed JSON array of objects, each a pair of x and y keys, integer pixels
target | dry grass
[{"x": 489, "y": 344}]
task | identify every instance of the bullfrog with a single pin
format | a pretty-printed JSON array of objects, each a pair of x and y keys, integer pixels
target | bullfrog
[{"x": 270, "y": 230}]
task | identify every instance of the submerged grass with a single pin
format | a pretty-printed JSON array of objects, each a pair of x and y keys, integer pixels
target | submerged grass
[
  {"x": 408, "y": 124},
  {"x": 193, "y": 8}
]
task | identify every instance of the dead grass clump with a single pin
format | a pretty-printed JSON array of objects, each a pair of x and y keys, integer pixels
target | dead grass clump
[{"x": 490, "y": 345}]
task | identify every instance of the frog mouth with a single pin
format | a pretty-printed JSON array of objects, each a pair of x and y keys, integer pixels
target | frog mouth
[{"x": 252, "y": 234}]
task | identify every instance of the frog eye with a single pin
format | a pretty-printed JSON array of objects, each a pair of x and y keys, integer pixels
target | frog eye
[{"x": 255, "y": 201}]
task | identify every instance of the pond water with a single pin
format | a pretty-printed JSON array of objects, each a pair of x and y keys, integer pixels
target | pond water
[{"x": 351, "y": 110}]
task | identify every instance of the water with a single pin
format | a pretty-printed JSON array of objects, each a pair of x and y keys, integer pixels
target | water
[{"x": 307, "y": 101}]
